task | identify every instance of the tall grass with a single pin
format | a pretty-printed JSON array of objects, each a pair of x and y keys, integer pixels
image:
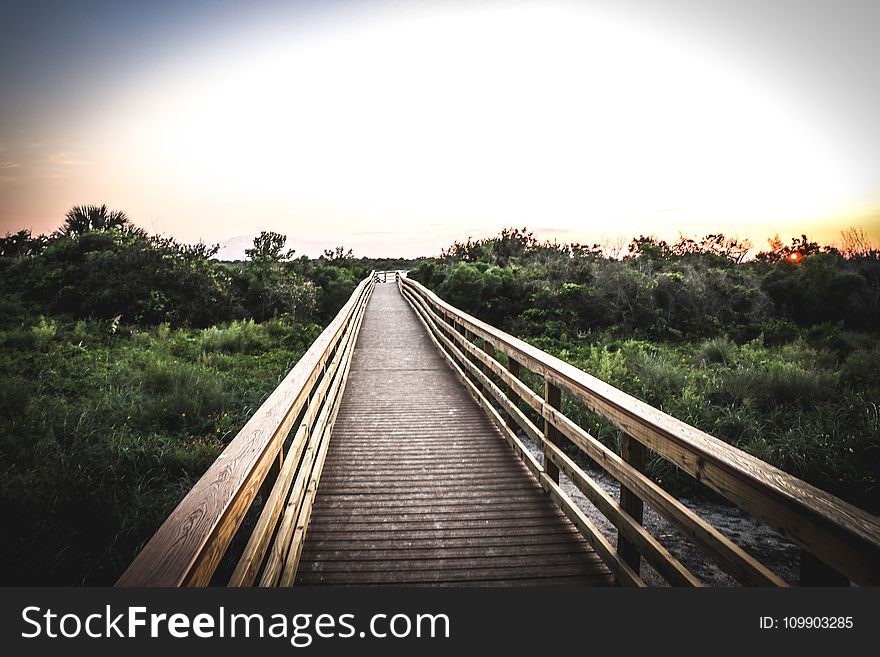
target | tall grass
[
  {"x": 239, "y": 337},
  {"x": 798, "y": 406},
  {"x": 102, "y": 433}
]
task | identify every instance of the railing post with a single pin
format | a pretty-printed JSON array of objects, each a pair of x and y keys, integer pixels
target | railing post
[
  {"x": 814, "y": 572},
  {"x": 553, "y": 396},
  {"x": 483, "y": 367},
  {"x": 470, "y": 337},
  {"x": 634, "y": 453},
  {"x": 508, "y": 391}
]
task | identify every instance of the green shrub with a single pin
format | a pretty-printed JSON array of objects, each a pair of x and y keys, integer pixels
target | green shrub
[
  {"x": 735, "y": 385},
  {"x": 179, "y": 394},
  {"x": 862, "y": 368},
  {"x": 15, "y": 393},
  {"x": 717, "y": 351},
  {"x": 831, "y": 337},
  {"x": 660, "y": 378},
  {"x": 610, "y": 366},
  {"x": 239, "y": 337},
  {"x": 788, "y": 383},
  {"x": 778, "y": 331},
  {"x": 18, "y": 340},
  {"x": 12, "y": 312}
]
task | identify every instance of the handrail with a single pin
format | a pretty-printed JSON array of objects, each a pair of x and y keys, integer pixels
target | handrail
[
  {"x": 187, "y": 548},
  {"x": 834, "y": 532}
]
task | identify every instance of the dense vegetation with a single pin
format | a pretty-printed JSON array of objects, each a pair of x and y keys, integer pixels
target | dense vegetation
[
  {"x": 128, "y": 361},
  {"x": 778, "y": 355}
]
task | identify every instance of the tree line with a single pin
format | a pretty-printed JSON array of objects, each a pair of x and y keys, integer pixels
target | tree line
[
  {"x": 98, "y": 264},
  {"x": 688, "y": 288}
]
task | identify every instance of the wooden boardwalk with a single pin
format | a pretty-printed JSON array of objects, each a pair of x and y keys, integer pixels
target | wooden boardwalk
[
  {"x": 419, "y": 488},
  {"x": 380, "y": 463}
]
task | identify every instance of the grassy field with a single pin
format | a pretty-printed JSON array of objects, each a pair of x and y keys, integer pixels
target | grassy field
[{"x": 104, "y": 428}]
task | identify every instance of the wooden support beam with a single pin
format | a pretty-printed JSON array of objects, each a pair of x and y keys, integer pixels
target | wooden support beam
[
  {"x": 553, "y": 397},
  {"x": 508, "y": 391},
  {"x": 634, "y": 453}
]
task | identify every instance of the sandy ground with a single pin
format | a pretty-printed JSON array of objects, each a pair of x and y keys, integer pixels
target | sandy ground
[{"x": 762, "y": 542}]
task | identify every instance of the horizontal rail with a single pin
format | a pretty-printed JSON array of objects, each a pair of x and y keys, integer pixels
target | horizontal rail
[
  {"x": 187, "y": 548},
  {"x": 839, "y": 534}
]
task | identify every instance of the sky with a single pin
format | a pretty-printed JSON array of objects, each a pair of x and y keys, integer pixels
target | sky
[{"x": 395, "y": 128}]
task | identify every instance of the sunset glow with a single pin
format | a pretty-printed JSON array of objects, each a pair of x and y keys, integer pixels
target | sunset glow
[{"x": 396, "y": 131}]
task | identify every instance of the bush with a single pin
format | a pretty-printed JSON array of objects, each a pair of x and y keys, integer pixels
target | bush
[
  {"x": 44, "y": 333},
  {"x": 778, "y": 331},
  {"x": 18, "y": 340},
  {"x": 716, "y": 351},
  {"x": 660, "y": 377},
  {"x": 862, "y": 368},
  {"x": 609, "y": 366},
  {"x": 788, "y": 383},
  {"x": 178, "y": 395},
  {"x": 735, "y": 385},
  {"x": 15, "y": 393},
  {"x": 239, "y": 337}
]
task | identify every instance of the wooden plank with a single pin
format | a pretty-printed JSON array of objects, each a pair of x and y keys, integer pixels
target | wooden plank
[
  {"x": 474, "y": 545},
  {"x": 433, "y": 577},
  {"x": 513, "y": 369},
  {"x": 448, "y": 561},
  {"x": 334, "y": 505},
  {"x": 367, "y": 532},
  {"x": 488, "y": 534}
]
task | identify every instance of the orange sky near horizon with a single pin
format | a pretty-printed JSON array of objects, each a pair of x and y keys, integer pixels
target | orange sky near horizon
[{"x": 395, "y": 129}]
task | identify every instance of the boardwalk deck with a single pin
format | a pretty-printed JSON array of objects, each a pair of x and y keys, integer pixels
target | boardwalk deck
[{"x": 420, "y": 489}]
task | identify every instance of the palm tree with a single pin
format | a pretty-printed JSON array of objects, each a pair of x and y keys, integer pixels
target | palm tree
[{"x": 83, "y": 218}]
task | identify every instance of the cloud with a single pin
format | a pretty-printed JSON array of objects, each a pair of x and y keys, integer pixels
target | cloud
[
  {"x": 9, "y": 165},
  {"x": 64, "y": 157}
]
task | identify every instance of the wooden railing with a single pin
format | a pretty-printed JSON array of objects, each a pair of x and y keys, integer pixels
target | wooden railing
[
  {"x": 840, "y": 542},
  {"x": 188, "y": 547}
]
